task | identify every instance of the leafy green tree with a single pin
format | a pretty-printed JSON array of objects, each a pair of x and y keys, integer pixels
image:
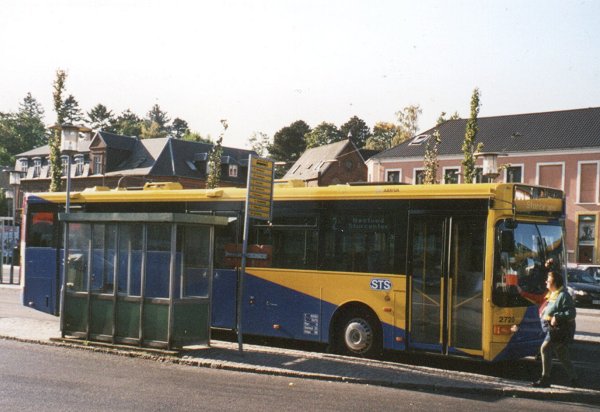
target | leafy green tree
[
  {"x": 100, "y": 118},
  {"x": 196, "y": 137},
  {"x": 21, "y": 131},
  {"x": 469, "y": 147},
  {"x": 151, "y": 130},
  {"x": 3, "y": 203},
  {"x": 128, "y": 124},
  {"x": 214, "y": 160},
  {"x": 54, "y": 141},
  {"x": 71, "y": 111},
  {"x": 259, "y": 142},
  {"x": 179, "y": 128},
  {"x": 356, "y": 130},
  {"x": 382, "y": 137},
  {"x": 156, "y": 114},
  {"x": 324, "y": 133},
  {"x": 430, "y": 161},
  {"x": 288, "y": 143},
  {"x": 408, "y": 123}
]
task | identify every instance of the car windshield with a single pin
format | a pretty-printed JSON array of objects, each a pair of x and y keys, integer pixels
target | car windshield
[
  {"x": 579, "y": 276},
  {"x": 521, "y": 251}
]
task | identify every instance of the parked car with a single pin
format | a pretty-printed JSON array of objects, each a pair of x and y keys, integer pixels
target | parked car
[
  {"x": 593, "y": 270},
  {"x": 583, "y": 288}
]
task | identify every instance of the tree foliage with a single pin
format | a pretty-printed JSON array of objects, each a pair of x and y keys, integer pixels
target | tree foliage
[
  {"x": 408, "y": 123},
  {"x": 100, "y": 118},
  {"x": 357, "y": 131},
  {"x": 179, "y": 128},
  {"x": 71, "y": 112},
  {"x": 196, "y": 137},
  {"x": 288, "y": 143},
  {"x": 21, "y": 131},
  {"x": 128, "y": 124},
  {"x": 430, "y": 162},
  {"x": 324, "y": 133},
  {"x": 214, "y": 160},
  {"x": 469, "y": 146},
  {"x": 259, "y": 142},
  {"x": 382, "y": 137},
  {"x": 54, "y": 141}
]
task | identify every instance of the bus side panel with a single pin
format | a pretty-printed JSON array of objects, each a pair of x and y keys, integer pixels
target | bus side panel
[
  {"x": 525, "y": 342},
  {"x": 39, "y": 288},
  {"x": 274, "y": 310},
  {"x": 224, "y": 298}
]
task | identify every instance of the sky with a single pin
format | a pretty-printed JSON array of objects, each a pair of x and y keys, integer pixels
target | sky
[{"x": 262, "y": 65}]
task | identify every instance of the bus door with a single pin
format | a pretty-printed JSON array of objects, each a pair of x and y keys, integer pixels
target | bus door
[{"x": 447, "y": 261}]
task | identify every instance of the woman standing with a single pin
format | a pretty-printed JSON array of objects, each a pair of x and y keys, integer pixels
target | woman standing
[{"x": 558, "y": 322}]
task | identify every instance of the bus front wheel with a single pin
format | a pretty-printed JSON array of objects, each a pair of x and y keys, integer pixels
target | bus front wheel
[{"x": 359, "y": 335}]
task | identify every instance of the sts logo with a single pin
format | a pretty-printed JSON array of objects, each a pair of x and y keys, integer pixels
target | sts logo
[{"x": 381, "y": 284}]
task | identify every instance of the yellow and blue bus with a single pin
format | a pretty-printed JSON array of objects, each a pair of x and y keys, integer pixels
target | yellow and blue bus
[{"x": 451, "y": 269}]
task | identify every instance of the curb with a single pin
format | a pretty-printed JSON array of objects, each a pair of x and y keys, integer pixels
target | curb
[{"x": 586, "y": 396}]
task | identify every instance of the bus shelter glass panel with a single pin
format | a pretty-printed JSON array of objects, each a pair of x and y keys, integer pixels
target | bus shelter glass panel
[
  {"x": 76, "y": 301},
  {"x": 129, "y": 262}
]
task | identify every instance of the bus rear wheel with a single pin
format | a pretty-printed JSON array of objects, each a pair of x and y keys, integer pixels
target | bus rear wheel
[{"x": 359, "y": 335}]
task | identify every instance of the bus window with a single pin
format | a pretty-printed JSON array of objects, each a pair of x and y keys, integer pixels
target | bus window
[
  {"x": 194, "y": 243},
  {"x": 40, "y": 230},
  {"x": 361, "y": 242},
  {"x": 519, "y": 271},
  {"x": 225, "y": 236}
]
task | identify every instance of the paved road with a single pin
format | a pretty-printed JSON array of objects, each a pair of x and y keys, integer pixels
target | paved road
[{"x": 48, "y": 378}]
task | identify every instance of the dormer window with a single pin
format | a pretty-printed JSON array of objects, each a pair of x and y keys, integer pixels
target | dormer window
[
  {"x": 78, "y": 165},
  {"x": 37, "y": 166},
  {"x": 24, "y": 164},
  {"x": 233, "y": 170},
  {"x": 65, "y": 164},
  {"x": 97, "y": 164},
  {"x": 419, "y": 139}
]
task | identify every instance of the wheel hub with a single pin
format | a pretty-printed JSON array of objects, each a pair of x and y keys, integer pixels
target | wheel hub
[{"x": 358, "y": 335}]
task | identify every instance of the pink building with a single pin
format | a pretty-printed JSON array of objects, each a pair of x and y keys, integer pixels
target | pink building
[{"x": 554, "y": 149}]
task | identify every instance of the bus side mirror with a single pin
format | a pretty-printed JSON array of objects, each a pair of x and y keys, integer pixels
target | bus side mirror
[{"x": 507, "y": 241}]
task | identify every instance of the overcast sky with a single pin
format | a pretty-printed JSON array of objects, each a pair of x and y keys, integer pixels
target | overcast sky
[{"x": 265, "y": 64}]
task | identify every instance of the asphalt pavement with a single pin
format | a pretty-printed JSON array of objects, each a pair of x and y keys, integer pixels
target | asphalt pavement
[{"x": 21, "y": 323}]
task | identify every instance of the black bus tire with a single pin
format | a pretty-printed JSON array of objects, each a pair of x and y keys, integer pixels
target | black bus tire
[{"x": 359, "y": 334}]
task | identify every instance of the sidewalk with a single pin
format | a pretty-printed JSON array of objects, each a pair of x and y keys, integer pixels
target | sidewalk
[{"x": 25, "y": 324}]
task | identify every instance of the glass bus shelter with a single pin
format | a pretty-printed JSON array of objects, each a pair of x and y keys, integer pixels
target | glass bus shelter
[{"x": 138, "y": 278}]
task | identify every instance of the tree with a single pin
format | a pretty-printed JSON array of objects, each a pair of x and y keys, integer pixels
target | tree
[
  {"x": 214, "y": 160},
  {"x": 71, "y": 111},
  {"x": 324, "y": 133},
  {"x": 382, "y": 137},
  {"x": 469, "y": 147},
  {"x": 430, "y": 161},
  {"x": 196, "y": 137},
  {"x": 288, "y": 143},
  {"x": 179, "y": 128},
  {"x": 259, "y": 142},
  {"x": 128, "y": 124},
  {"x": 408, "y": 119},
  {"x": 356, "y": 130},
  {"x": 156, "y": 114},
  {"x": 21, "y": 131},
  {"x": 54, "y": 141},
  {"x": 151, "y": 130},
  {"x": 100, "y": 118}
]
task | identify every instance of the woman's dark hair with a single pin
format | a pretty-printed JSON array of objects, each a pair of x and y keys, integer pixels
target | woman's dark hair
[{"x": 559, "y": 281}]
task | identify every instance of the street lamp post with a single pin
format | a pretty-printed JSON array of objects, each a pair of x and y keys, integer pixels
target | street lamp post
[{"x": 14, "y": 179}]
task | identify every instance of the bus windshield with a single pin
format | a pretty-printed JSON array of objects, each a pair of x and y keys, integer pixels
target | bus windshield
[{"x": 521, "y": 251}]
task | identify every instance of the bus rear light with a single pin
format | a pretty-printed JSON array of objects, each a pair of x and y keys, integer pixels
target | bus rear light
[
  {"x": 389, "y": 310},
  {"x": 399, "y": 339},
  {"x": 276, "y": 326},
  {"x": 502, "y": 329}
]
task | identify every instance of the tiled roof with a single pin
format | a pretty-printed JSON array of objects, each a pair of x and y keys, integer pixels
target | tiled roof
[
  {"x": 562, "y": 130},
  {"x": 311, "y": 163}
]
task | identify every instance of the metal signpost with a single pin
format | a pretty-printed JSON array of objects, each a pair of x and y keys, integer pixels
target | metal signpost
[{"x": 259, "y": 201}]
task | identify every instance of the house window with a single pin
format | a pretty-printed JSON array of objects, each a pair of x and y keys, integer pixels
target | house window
[
  {"x": 514, "y": 174},
  {"x": 78, "y": 165},
  {"x": 233, "y": 170},
  {"x": 419, "y": 176},
  {"x": 587, "y": 182},
  {"x": 64, "y": 161},
  {"x": 451, "y": 175},
  {"x": 586, "y": 237},
  {"x": 392, "y": 176},
  {"x": 419, "y": 139},
  {"x": 97, "y": 164},
  {"x": 37, "y": 167},
  {"x": 480, "y": 178},
  {"x": 551, "y": 175},
  {"x": 24, "y": 163}
]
